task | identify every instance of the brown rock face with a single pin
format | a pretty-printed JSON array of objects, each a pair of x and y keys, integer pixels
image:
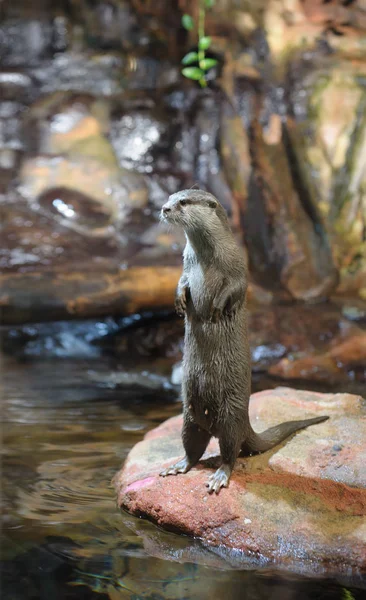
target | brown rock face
[{"x": 300, "y": 507}]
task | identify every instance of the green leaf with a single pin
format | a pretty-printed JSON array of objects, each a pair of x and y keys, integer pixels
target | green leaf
[
  {"x": 209, "y": 3},
  {"x": 204, "y": 42},
  {"x": 190, "y": 58},
  {"x": 187, "y": 22},
  {"x": 193, "y": 73},
  {"x": 207, "y": 63}
]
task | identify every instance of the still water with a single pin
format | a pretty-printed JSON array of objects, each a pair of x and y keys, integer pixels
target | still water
[{"x": 65, "y": 434}]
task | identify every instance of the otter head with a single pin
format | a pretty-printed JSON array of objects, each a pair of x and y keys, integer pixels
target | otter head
[{"x": 194, "y": 210}]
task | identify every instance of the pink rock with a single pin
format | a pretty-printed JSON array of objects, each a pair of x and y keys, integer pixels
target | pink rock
[{"x": 301, "y": 506}]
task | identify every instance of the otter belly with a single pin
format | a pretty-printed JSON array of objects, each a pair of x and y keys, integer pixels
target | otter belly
[
  {"x": 200, "y": 281},
  {"x": 216, "y": 369}
]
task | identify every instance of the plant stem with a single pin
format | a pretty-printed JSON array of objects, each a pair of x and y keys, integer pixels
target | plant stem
[{"x": 201, "y": 34}]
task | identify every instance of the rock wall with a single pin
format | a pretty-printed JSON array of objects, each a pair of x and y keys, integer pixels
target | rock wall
[{"x": 97, "y": 127}]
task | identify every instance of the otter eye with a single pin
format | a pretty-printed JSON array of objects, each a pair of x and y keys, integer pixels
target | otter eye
[
  {"x": 212, "y": 204},
  {"x": 183, "y": 202}
]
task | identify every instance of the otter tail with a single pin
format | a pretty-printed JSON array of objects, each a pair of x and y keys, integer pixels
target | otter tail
[{"x": 260, "y": 442}]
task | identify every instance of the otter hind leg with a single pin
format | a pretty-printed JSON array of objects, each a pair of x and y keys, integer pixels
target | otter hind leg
[
  {"x": 230, "y": 441},
  {"x": 195, "y": 441}
]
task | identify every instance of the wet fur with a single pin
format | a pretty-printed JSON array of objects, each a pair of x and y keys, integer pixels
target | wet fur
[{"x": 216, "y": 362}]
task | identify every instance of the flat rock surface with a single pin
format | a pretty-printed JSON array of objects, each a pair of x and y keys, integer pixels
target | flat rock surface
[{"x": 300, "y": 507}]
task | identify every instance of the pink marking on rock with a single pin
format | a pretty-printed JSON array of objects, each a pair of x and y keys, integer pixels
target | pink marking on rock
[{"x": 139, "y": 484}]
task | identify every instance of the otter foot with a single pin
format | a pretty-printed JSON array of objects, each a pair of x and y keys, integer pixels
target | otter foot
[
  {"x": 219, "y": 479},
  {"x": 182, "y": 466}
]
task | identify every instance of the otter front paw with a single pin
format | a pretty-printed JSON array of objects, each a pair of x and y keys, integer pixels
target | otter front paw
[
  {"x": 215, "y": 315},
  {"x": 182, "y": 466},
  {"x": 181, "y": 304},
  {"x": 219, "y": 479}
]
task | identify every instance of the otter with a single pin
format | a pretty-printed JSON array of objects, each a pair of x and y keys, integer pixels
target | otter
[{"x": 216, "y": 384}]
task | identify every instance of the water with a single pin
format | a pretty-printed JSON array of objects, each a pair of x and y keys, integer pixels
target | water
[{"x": 64, "y": 437}]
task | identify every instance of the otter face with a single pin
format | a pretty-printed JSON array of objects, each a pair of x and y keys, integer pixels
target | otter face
[{"x": 190, "y": 209}]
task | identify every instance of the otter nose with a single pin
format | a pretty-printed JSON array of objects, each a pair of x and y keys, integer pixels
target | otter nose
[{"x": 166, "y": 209}]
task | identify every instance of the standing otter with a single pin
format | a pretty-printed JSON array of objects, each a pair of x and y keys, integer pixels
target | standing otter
[{"x": 216, "y": 361}]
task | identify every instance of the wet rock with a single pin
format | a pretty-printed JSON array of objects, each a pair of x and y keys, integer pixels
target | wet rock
[
  {"x": 34, "y": 243},
  {"x": 25, "y": 41},
  {"x": 59, "y": 122},
  {"x": 301, "y": 343},
  {"x": 160, "y": 246},
  {"x": 288, "y": 28},
  {"x": 115, "y": 191},
  {"x": 16, "y": 85},
  {"x": 354, "y": 312},
  {"x": 75, "y": 175},
  {"x": 329, "y": 143},
  {"x": 235, "y": 156},
  {"x": 339, "y": 16},
  {"x": 287, "y": 245},
  {"x": 88, "y": 292},
  {"x": 141, "y": 135},
  {"x": 308, "y": 508},
  {"x": 9, "y": 163},
  {"x": 161, "y": 186},
  {"x": 346, "y": 358},
  {"x": 208, "y": 168},
  {"x": 75, "y": 207},
  {"x": 100, "y": 74},
  {"x": 111, "y": 24},
  {"x": 10, "y": 126}
]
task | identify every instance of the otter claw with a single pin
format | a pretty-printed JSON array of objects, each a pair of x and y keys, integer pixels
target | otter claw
[
  {"x": 181, "y": 466},
  {"x": 218, "y": 480}
]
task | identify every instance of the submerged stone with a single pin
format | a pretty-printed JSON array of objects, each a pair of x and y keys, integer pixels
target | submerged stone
[{"x": 300, "y": 507}]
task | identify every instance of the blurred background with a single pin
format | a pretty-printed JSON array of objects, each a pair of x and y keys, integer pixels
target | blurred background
[{"x": 99, "y": 122}]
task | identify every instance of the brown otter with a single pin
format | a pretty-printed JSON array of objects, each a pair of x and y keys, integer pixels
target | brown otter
[{"x": 216, "y": 361}]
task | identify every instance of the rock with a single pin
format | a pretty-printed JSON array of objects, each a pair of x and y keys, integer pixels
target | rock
[
  {"x": 116, "y": 190},
  {"x": 207, "y": 162},
  {"x": 300, "y": 343},
  {"x": 25, "y": 41},
  {"x": 345, "y": 358},
  {"x": 328, "y": 141},
  {"x": 59, "y": 121},
  {"x": 158, "y": 244},
  {"x": 287, "y": 244},
  {"x": 16, "y": 86},
  {"x": 235, "y": 156},
  {"x": 74, "y": 175},
  {"x": 293, "y": 24},
  {"x": 111, "y": 24},
  {"x": 292, "y": 508},
  {"x": 339, "y": 15},
  {"x": 52, "y": 295},
  {"x": 287, "y": 28},
  {"x": 100, "y": 74},
  {"x": 70, "y": 255},
  {"x": 140, "y": 134}
]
